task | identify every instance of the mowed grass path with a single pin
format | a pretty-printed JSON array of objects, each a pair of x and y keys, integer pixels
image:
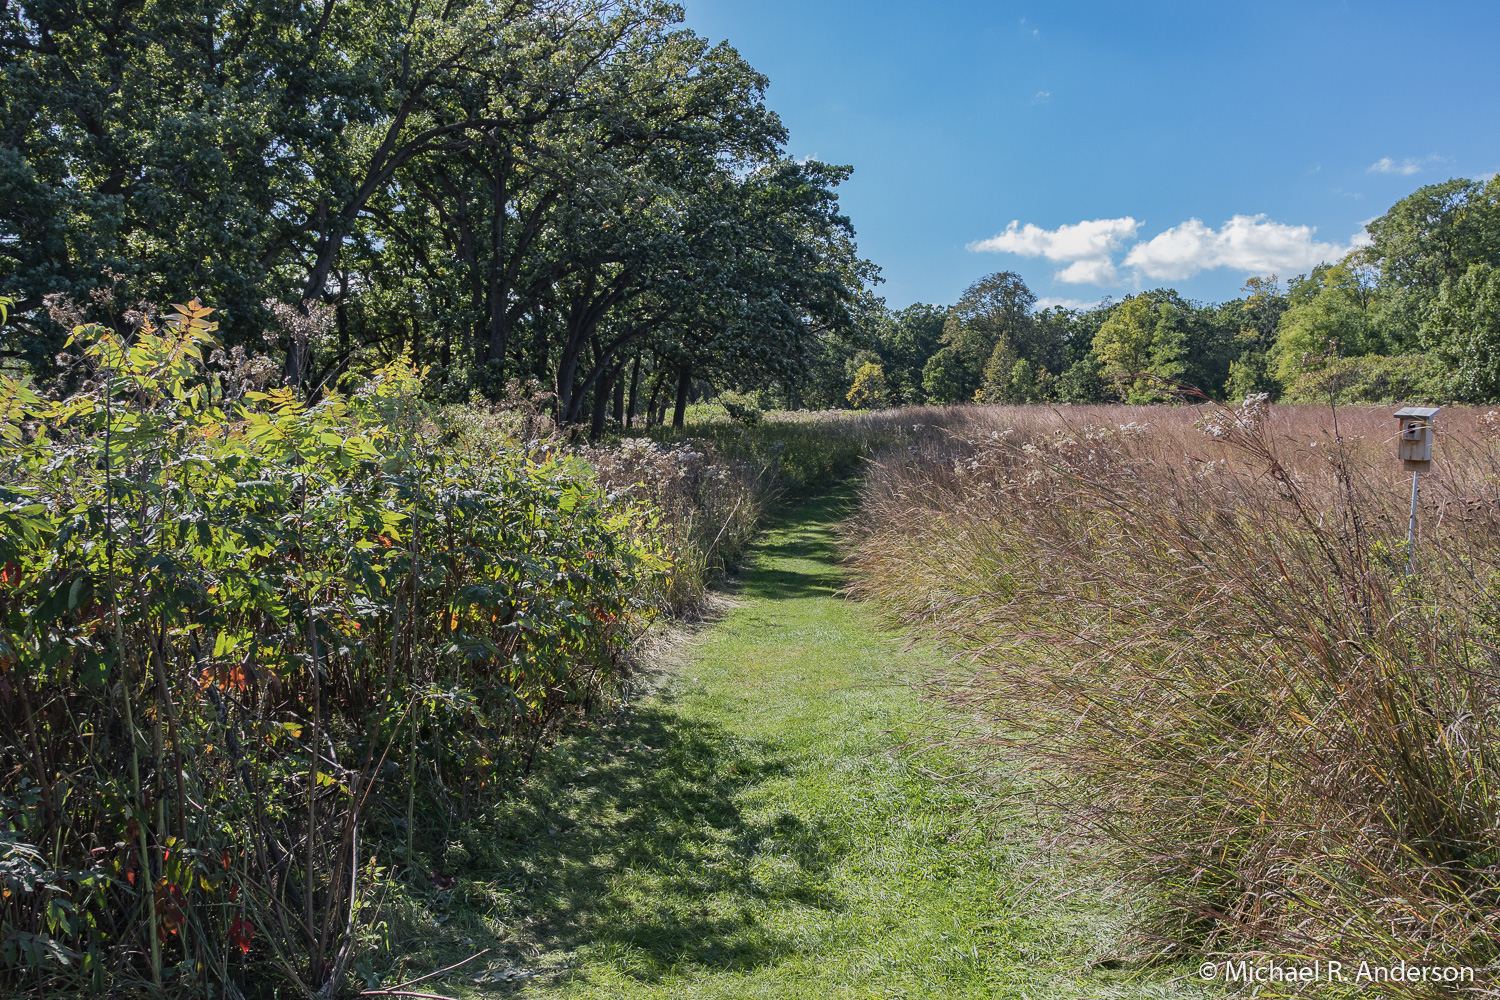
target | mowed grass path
[{"x": 755, "y": 829}]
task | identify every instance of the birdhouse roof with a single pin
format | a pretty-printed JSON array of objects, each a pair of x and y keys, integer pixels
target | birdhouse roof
[{"x": 1420, "y": 412}]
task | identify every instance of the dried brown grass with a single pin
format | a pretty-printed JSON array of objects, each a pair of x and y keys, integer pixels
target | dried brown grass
[
  {"x": 1206, "y": 652},
  {"x": 706, "y": 506}
]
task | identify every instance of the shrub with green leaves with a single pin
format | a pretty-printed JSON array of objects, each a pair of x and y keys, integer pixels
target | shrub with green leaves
[
  {"x": 255, "y": 652},
  {"x": 1373, "y": 378},
  {"x": 1462, "y": 330}
]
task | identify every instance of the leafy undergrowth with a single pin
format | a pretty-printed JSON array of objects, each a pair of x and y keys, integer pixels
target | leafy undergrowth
[
  {"x": 260, "y": 657},
  {"x": 758, "y": 827}
]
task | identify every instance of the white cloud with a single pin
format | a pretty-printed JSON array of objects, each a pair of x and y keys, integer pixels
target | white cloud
[
  {"x": 1250, "y": 243},
  {"x": 1089, "y": 272},
  {"x": 1087, "y": 247},
  {"x": 1406, "y": 167}
]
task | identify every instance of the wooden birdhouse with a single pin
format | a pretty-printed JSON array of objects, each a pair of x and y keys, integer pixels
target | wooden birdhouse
[{"x": 1415, "y": 442}]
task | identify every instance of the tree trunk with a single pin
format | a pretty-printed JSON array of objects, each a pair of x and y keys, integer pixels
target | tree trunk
[
  {"x": 567, "y": 404},
  {"x": 619, "y": 396},
  {"x": 499, "y": 332},
  {"x": 635, "y": 389},
  {"x": 298, "y": 358},
  {"x": 540, "y": 346},
  {"x": 651, "y": 415},
  {"x": 684, "y": 383},
  {"x": 601, "y": 407}
]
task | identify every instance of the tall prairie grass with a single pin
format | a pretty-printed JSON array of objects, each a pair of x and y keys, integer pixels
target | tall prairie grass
[
  {"x": 704, "y": 507},
  {"x": 1194, "y": 629},
  {"x": 798, "y": 451}
]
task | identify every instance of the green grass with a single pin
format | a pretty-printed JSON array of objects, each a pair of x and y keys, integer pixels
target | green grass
[{"x": 754, "y": 829}]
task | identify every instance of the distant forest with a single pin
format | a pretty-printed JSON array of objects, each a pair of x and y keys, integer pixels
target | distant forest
[
  {"x": 587, "y": 201},
  {"x": 1415, "y": 314}
]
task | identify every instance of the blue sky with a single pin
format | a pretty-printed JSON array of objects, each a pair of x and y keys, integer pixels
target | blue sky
[{"x": 1133, "y": 144}]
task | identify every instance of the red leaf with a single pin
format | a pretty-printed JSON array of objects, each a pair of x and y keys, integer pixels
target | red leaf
[{"x": 241, "y": 934}]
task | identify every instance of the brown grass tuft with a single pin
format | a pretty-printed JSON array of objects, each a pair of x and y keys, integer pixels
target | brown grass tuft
[{"x": 1206, "y": 650}]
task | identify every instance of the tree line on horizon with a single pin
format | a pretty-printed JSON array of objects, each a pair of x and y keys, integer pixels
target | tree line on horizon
[
  {"x": 1413, "y": 314},
  {"x": 584, "y": 200}
]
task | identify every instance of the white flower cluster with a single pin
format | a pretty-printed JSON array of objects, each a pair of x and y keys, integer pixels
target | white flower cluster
[
  {"x": 1246, "y": 417},
  {"x": 642, "y": 467}
]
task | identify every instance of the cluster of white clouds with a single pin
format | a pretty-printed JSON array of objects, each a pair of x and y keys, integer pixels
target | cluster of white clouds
[
  {"x": 1250, "y": 243},
  {"x": 1090, "y": 251},
  {"x": 1253, "y": 244},
  {"x": 1087, "y": 248}
]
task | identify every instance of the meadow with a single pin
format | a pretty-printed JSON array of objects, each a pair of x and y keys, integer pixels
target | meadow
[
  {"x": 297, "y": 694},
  {"x": 1194, "y": 629},
  {"x": 566, "y": 574},
  {"x": 753, "y": 823}
]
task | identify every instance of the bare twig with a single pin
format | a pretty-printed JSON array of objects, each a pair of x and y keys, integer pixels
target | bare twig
[{"x": 391, "y": 990}]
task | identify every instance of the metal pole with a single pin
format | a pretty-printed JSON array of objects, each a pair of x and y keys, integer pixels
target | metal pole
[{"x": 1411, "y": 526}]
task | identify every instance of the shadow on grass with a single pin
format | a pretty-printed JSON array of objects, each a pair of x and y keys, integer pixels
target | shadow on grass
[
  {"x": 628, "y": 842},
  {"x": 790, "y": 584},
  {"x": 798, "y": 557}
]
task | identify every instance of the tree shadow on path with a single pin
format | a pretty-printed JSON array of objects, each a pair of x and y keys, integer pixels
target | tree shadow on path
[
  {"x": 799, "y": 556},
  {"x": 636, "y": 847},
  {"x": 629, "y": 840}
]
